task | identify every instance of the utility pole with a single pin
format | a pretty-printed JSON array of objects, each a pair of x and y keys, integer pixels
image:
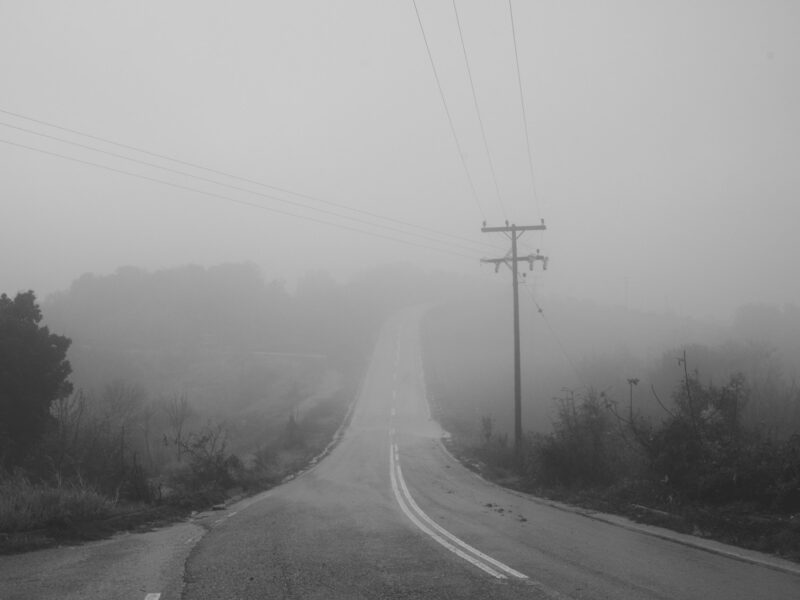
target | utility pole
[{"x": 514, "y": 232}]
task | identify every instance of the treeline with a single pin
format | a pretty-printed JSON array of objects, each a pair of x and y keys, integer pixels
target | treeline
[
  {"x": 579, "y": 345},
  {"x": 703, "y": 451},
  {"x": 178, "y": 386},
  {"x": 156, "y": 327},
  {"x": 704, "y": 437}
]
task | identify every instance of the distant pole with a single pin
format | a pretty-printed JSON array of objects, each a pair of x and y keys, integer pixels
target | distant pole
[{"x": 515, "y": 233}]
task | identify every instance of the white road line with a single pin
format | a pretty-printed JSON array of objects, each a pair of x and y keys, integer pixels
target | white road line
[
  {"x": 152, "y": 596},
  {"x": 450, "y": 536},
  {"x": 394, "y": 411},
  {"x": 404, "y": 507},
  {"x": 410, "y": 507}
]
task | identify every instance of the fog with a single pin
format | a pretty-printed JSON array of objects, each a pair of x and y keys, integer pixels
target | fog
[
  {"x": 664, "y": 141},
  {"x": 250, "y": 243}
]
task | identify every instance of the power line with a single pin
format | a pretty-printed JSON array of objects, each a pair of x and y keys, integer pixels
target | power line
[
  {"x": 235, "y": 200},
  {"x": 447, "y": 111},
  {"x": 478, "y": 112},
  {"x": 553, "y": 333},
  {"x": 223, "y": 173},
  {"x": 238, "y": 188},
  {"x": 522, "y": 104}
]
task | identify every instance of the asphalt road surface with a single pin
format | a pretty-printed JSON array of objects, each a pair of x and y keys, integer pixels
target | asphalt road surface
[{"x": 390, "y": 514}]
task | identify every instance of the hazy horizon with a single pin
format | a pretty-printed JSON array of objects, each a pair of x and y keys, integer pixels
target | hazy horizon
[{"x": 665, "y": 143}]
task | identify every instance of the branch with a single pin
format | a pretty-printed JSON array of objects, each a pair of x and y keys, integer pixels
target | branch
[{"x": 661, "y": 404}]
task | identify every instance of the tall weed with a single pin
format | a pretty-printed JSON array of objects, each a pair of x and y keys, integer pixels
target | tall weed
[{"x": 28, "y": 506}]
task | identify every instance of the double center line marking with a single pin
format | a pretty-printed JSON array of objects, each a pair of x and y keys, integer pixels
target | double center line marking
[{"x": 432, "y": 529}]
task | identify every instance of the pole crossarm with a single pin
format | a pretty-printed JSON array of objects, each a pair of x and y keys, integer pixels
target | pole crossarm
[
  {"x": 506, "y": 260},
  {"x": 514, "y": 228}
]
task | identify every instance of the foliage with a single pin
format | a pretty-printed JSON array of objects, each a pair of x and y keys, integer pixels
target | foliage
[
  {"x": 705, "y": 453},
  {"x": 26, "y": 506},
  {"x": 582, "y": 450},
  {"x": 210, "y": 466},
  {"x": 700, "y": 453},
  {"x": 33, "y": 375},
  {"x": 248, "y": 353},
  {"x": 494, "y": 451}
]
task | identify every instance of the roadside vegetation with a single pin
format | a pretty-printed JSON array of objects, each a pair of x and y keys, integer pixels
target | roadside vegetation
[
  {"x": 172, "y": 392},
  {"x": 719, "y": 460}
]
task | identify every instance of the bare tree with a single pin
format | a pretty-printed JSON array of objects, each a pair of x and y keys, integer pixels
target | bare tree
[{"x": 178, "y": 412}]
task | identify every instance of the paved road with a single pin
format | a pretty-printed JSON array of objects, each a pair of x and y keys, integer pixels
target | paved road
[
  {"x": 389, "y": 514},
  {"x": 125, "y": 567}
]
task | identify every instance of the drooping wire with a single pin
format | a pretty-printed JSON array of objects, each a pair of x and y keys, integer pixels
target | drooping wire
[
  {"x": 231, "y": 176},
  {"x": 236, "y": 200},
  {"x": 524, "y": 112},
  {"x": 241, "y": 189},
  {"x": 447, "y": 112},
  {"x": 478, "y": 112},
  {"x": 557, "y": 339}
]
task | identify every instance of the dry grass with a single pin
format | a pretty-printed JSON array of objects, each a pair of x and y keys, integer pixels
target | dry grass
[{"x": 27, "y": 506}]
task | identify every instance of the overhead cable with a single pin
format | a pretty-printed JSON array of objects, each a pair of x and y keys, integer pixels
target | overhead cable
[
  {"x": 478, "y": 112},
  {"x": 449, "y": 116},
  {"x": 557, "y": 339},
  {"x": 236, "y": 200},
  {"x": 522, "y": 104},
  {"x": 229, "y": 175},
  {"x": 239, "y": 188}
]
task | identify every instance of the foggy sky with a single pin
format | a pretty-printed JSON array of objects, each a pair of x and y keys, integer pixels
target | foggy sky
[{"x": 665, "y": 140}]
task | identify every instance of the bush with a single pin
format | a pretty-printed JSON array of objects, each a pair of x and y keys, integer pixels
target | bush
[
  {"x": 705, "y": 454},
  {"x": 208, "y": 468},
  {"x": 584, "y": 450}
]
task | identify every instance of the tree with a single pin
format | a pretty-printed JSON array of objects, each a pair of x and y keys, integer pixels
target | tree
[
  {"x": 33, "y": 374},
  {"x": 178, "y": 412}
]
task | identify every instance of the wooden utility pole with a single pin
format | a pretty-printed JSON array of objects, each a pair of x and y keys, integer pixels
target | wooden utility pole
[{"x": 514, "y": 232}]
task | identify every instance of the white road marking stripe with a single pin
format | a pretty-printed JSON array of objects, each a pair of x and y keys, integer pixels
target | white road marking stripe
[
  {"x": 450, "y": 536},
  {"x": 394, "y": 411},
  {"x": 404, "y": 507},
  {"x": 443, "y": 531},
  {"x": 152, "y": 596}
]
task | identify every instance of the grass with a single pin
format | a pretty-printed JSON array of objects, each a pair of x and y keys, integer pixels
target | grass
[
  {"x": 27, "y": 506},
  {"x": 36, "y": 515}
]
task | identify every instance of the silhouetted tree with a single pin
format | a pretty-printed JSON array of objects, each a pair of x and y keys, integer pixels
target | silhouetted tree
[{"x": 33, "y": 374}]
